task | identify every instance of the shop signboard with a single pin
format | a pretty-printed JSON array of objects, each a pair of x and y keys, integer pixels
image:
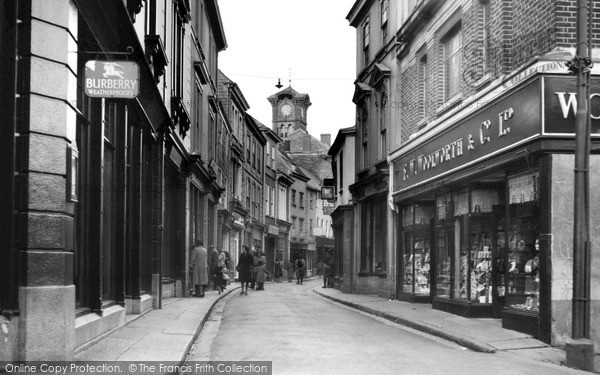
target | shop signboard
[
  {"x": 560, "y": 104},
  {"x": 508, "y": 122},
  {"x": 111, "y": 79}
]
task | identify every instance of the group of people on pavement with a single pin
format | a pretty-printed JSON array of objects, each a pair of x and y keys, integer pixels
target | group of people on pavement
[
  {"x": 211, "y": 263},
  {"x": 251, "y": 267}
]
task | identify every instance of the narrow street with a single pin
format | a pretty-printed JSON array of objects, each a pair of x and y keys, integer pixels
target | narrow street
[{"x": 303, "y": 333}]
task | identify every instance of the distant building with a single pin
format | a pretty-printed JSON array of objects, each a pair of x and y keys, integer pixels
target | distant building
[
  {"x": 289, "y": 111},
  {"x": 310, "y": 165}
]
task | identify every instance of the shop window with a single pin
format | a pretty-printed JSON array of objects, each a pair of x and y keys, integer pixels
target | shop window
[
  {"x": 464, "y": 236},
  {"x": 522, "y": 244},
  {"x": 373, "y": 237},
  {"x": 416, "y": 257},
  {"x": 109, "y": 191}
]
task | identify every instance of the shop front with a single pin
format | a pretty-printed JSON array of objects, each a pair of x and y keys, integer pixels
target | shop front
[
  {"x": 343, "y": 229},
  {"x": 479, "y": 234},
  {"x": 371, "y": 238}
]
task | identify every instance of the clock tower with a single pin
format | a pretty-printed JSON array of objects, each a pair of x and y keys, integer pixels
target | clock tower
[{"x": 289, "y": 111}]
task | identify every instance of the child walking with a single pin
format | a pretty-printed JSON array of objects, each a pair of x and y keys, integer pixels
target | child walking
[{"x": 219, "y": 276}]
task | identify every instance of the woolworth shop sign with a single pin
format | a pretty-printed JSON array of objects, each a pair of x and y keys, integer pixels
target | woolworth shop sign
[{"x": 111, "y": 79}]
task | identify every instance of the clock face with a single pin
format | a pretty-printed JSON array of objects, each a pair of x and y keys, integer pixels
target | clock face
[{"x": 286, "y": 109}]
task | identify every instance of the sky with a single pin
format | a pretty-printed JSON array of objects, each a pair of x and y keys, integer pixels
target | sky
[{"x": 309, "y": 41}]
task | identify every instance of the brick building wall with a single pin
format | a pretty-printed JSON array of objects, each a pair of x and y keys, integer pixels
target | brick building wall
[{"x": 517, "y": 31}]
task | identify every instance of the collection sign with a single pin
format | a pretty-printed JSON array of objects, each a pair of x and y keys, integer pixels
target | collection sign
[{"x": 111, "y": 79}]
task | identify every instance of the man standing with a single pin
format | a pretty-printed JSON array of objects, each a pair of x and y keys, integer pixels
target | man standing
[
  {"x": 329, "y": 270},
  {"x": 300, "y": 269},
  {"x": 326, "y": 267},
  {"x": 199, "y": 268}
]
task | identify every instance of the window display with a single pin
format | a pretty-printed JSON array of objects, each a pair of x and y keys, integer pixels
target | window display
[
  {"x": 443, "y": 264},
  {"x": 416, "y": 257},
  {"x": 464, "y": 245},
  {"x": 417, "y": 265},
  {"x": 523, "y": 265},
  {"x": 523, "y": 245},
  {"x": 478, "y": 288}
]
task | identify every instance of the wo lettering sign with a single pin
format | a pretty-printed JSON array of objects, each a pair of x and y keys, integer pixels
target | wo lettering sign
[
  {"x": 111, "y": 79},
  {"x": 560, "y": 99}
]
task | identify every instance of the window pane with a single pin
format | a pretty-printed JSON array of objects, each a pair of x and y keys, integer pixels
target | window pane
[{"x": 452, "y": 65}]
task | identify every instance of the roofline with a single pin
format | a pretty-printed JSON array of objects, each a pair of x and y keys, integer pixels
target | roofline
[
  {"x": 237, "y": 93},
  {"x": 214, "y": 15},
  {"x": 358, "y": 11},
  {"x": 271, "y": 134},
  {"x": 255, "y": 127},
  {"x": 339, "y": 139}
]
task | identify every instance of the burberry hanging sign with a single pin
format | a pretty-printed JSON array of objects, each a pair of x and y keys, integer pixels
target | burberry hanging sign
[{"x": 111, "y": 79}]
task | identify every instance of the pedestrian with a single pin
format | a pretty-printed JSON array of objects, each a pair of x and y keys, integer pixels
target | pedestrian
[
  {"x": 261, "y": 275},
  {"x": 227, "y": 268},
  {"x": 326, "y": 266},
  {"x": 278, "y": 271},
  {"x": 199, "y": 268},
  {"x": 213, "y": 259},
  {"x": 255, "y": 260},
  {"x": 300, "y": 269},
  {"x": 262, "y": 258},
  {"x": 330, "y": 271},
  {"x": 290, "y": 270},
  {"x": 246, "y": 262},
  {"x": 218, "y": 274}
]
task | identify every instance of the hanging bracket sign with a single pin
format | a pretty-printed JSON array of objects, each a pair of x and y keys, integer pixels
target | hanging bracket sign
[{"x": 111, "y": 79}]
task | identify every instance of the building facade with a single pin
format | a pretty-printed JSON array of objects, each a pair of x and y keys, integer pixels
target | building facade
[
  {"x": 253, "y": 184},
  {"x": 235, "y": 105},
  {"x": 344, "y": 230},
  {"x": 481, "y": 158},
  {"x": 106, "y": 193},
  {"x": 375, "y": 96}
]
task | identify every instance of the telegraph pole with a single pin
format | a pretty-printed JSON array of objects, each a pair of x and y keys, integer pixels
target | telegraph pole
[{"x": 580, "y": 350}]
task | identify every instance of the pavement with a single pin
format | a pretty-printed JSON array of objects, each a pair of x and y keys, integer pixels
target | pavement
[
  {"x": 481, "y": 335},
  {"x": 165, "y": 334},
  {"x": 169, "y": 333}
]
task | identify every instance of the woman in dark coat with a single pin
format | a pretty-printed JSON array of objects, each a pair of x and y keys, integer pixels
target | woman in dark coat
[{"x": 244, "y": 266}]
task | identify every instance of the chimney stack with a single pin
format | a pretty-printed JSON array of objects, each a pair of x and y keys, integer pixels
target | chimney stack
[{"x": 326, "y": 139}]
